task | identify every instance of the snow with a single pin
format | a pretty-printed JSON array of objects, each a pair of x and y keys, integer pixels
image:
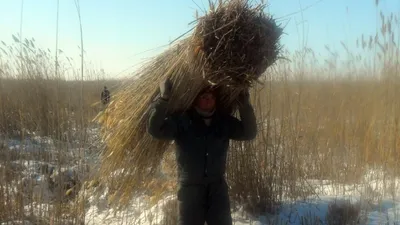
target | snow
[
  {"x": 382, "y": 210},
  {"x": 137, "y": 214},
  {"x": 379, "y": 201},
  {"x": 17, "y": 222}
]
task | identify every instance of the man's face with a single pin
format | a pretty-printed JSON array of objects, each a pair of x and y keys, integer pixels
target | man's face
[{"x": 205, "y": 101}]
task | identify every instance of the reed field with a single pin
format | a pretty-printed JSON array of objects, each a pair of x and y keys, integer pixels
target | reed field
[{"x": 327, "y": 149}]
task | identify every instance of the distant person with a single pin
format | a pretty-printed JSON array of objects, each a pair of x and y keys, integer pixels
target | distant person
[{"x": 105, "y": 96}]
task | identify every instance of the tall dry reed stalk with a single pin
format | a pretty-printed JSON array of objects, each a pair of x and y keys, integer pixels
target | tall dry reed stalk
[{"x": 38, "y": 102}]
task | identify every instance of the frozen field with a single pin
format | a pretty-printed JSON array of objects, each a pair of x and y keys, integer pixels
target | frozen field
[{"x": 377, "y": 200}]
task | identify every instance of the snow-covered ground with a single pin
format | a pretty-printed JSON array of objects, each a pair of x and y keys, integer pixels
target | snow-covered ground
[
  {"x": 378, "y": 206},
  {"x": 379, "y": 201}
]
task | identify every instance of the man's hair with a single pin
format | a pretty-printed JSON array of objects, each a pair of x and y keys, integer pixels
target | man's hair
[{"x": 209, "y": 89}]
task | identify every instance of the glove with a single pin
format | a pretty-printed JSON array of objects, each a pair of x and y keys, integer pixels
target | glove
[
  {"x": 244, "y": 97},
  {"x": 165, "y": 89}
]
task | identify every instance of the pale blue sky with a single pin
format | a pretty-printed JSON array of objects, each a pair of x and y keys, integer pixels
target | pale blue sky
[{"x": 116, "y": 30}]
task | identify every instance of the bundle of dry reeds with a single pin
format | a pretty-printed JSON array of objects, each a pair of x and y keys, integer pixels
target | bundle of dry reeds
[{"x": 231, "y": 46}]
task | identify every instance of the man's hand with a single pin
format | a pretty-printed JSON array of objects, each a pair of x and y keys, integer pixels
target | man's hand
[
  {"x": 246, "y": 127},
  {"x": 161, "y": 125},
  {"x": 165, "y": 89},
  {"x": 244, "y": 97}
]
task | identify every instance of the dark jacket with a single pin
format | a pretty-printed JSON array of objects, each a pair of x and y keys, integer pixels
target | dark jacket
[{"x": 201, "y": 150}]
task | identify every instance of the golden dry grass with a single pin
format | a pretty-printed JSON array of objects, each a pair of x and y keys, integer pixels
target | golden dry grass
[
  {"x": 324, "y": 125},
  {"x": 37, "y": 101},
  {"x": 192, "y": 64},
  {"x": 314, "y": 129}
]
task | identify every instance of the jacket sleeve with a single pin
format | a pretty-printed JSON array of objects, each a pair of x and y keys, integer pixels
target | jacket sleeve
[
  {"x": 244, "y": 129},
  {"x": 161, "y": 125}
]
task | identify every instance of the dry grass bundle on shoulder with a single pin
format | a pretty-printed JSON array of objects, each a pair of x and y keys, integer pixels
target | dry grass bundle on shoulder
[
  {"x": 238, "y": 42},
  {"x": 230, "y": 48}
]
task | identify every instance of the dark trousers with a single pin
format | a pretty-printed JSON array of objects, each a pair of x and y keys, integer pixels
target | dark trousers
[{"x": 200, "y": 203}]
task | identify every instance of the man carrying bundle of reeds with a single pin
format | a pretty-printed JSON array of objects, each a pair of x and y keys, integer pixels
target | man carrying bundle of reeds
[{"x": 202, "y": 136}]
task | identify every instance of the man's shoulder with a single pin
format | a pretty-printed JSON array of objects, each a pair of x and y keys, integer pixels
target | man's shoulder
[
  {"x": 224, "y": 117},
  {"x": 179, "y": 115},
  {"x": 182, "y": 119}
]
